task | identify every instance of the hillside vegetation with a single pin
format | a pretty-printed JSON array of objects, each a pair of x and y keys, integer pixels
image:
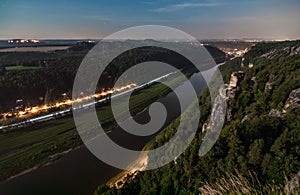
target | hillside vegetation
[{"x": 259, "y": 146}]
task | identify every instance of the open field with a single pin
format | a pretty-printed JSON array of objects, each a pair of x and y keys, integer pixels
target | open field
[
  {"x": 8, "y": 68},
  {"x": 40, "y": 49}
]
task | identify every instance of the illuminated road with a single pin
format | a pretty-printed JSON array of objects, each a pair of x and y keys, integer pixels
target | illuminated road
[{"x": 131, "y": 87}]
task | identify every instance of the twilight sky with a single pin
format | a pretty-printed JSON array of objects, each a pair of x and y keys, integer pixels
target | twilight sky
[{"x": 271, "y": 19}]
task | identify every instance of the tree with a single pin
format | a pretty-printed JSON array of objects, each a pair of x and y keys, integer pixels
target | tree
[
  {"x": 2, "y": 69},
  {"x": 256, "y": 152}
]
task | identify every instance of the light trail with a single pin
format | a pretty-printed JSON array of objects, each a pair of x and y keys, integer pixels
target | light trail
[
  {"x": 31, "y": 111},
  {"x": 37, "y": 109}
]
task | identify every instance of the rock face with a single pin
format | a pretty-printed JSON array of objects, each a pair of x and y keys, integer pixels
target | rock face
[
  {"x": 293, "y": 186},
  {"x": 293, "y": 100},
  {"x": 253, "y": 82},
  {"x": 250, "y": 65},
  {"x": 246, "y": 118},
  {"x": 204, "y": 127},
  {"x": 235, "y": 78},
  {"x": 217, "y": 114},
  {"x": 275, "y": 113},
  {"x": 230, "y": 89},
  {"x": 229, "y": 114},
  {"x": 295, "y": 50},
  {"x": 230, "y": 92},
  {"x": 225, "y": 93},
  {"x": 242, "y": 62},
  {"x": 287, "y": 50},
  {"x": 270, "y": 55},
  {"x": 269, "y": 86}
]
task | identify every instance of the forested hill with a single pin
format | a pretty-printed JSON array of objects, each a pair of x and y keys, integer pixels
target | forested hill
[
  {"x": 41, "y": 77},
  {"x": 259, "y": 146},
  {"x": 218, "y": 55}
]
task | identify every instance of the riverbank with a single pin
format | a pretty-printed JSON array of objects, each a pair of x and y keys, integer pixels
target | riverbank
[
  {"x": 36, "y": 49},
  {"x": 54, "y": 158},
  {"x": 139, "y": 164}
]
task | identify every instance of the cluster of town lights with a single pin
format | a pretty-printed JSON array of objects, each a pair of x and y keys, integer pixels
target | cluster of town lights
[{"x": 30, "y": 111}]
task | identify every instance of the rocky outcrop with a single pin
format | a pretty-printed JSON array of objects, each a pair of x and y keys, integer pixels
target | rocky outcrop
[
  {"x": 270, "y": 55},
  {"x": 242, "y": 62},
  {"x": 246, "y": 118},
  {"x": 295, "y": 50},
  {"x": 253, "y": 82},
  {"x": 204, "y": 127},
  {"x": 269, "y": 86},
  {"x": 286, "y": 50},
  {"x": 225, "y": 93},
  {"x": 229, "y": 114},
  {"x": 217, "y": 115},
  {"x": 293, "y": 186},
  {"x": 235, "y": 78},
  {"x": 230, "y": 92},
  {"x": 293, "y": 100},
  {"x": 275, "y": 113}
]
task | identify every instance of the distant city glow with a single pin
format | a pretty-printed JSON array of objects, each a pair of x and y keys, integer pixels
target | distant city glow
[{"x": 23, "y": 41}]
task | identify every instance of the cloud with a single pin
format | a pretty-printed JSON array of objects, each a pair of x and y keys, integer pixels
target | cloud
[{"x": 181, "y": 6}]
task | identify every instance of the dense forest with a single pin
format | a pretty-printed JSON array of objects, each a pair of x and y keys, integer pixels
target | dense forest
[
  {"x": 44, "y": 76},
  {"x": 258, "y": 150},
  {"x": 49, "y": 74}
]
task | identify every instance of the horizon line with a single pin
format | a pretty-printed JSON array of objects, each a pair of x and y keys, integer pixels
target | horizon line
[{"x": 86, "y": 38}]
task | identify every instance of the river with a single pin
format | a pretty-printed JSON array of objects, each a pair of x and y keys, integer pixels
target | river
[{"x": 79, "y": 172}]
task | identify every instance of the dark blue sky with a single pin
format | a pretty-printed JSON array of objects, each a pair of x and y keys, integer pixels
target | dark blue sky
[{"x": 272, "y": 19}]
